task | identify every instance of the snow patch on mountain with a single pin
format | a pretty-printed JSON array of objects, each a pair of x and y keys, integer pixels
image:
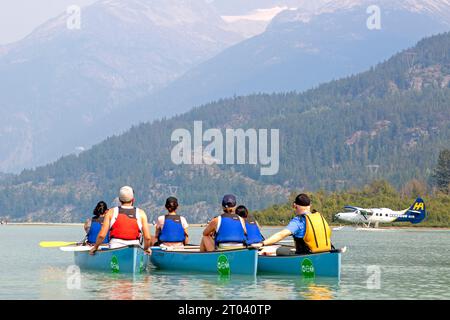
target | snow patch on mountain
[
  {"x": 171, "y": 13},
  {"x": 307, "y": 11},
  {"x": 258, "y": 15}
]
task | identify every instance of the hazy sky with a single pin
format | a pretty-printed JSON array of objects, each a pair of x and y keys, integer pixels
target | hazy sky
[{"x": 19, "y": 17}]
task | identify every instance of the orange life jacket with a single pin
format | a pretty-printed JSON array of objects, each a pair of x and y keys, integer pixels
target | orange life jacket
[{"x": 125, "y": 224}]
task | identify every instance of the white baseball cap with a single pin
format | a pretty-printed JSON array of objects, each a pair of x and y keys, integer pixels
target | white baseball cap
[{"x": 126, "y": 194}]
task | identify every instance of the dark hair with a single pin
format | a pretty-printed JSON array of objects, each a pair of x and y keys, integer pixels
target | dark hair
[
  {"x": 100, "y": 209},
  {"x": 171, "y": 204},
  {"x": 242, "y": 211},
  {"x": 302, "y": 200}
]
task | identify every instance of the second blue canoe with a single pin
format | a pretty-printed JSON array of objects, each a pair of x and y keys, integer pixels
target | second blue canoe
[
  {"x": 320, "y": 264},
  {"x": 229, "y": 262}
]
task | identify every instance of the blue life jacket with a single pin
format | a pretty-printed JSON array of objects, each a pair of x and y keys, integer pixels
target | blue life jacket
[
  {"x": 230, "y": 229},
  {"x": 253, "y": 233},
  {"x": 173, "y": 230},
  {"x": 94, "y": 230}
]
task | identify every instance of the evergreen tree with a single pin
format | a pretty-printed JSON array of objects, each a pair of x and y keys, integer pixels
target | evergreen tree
[{"x": 442, "y": 171}]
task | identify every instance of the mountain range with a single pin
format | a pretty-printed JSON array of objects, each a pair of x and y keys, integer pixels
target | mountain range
[
  {"x": 137, "y": 60},
  {"x": 388, "y": 122},
  {"x": 60, "y": 85},
  {"x": 304, "y": 47}
]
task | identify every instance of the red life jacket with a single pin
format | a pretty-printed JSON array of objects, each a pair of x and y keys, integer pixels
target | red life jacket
[{"x": 125, "y": 224}]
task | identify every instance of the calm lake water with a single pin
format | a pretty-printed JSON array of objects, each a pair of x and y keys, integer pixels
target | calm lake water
[{"x": 413, "y": 264}]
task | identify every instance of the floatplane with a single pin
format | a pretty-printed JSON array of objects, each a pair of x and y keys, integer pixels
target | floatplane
[{"x": 376, "y": 216}]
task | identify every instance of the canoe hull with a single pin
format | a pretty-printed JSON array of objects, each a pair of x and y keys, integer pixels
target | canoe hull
[
  {"x": 228, "y": 262},
  {"x": 123, "y": 260},
  {"x": 314, "y": 265}
]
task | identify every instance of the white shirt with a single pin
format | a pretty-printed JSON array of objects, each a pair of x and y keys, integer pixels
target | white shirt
[{"x": 162, "y": 219}]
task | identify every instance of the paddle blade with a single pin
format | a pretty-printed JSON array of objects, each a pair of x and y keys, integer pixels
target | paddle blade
[
  {"x": 55, "y": 244},
  {"x": 83, "y": 248}
]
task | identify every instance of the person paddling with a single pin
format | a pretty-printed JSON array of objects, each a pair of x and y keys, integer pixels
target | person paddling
[
  {"x": 253, "y": 229},
  {"x": 93, "y": 226},
  {"x": 126, "y": 224},
  {"x": 225, "y": 231},
  {"x": 310, "y": 230},
  {"x": 171, "y": 229}
]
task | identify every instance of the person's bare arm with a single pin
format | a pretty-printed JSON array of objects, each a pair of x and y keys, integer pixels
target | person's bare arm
[
  {"x": 157, "y": 233},
  {"x": 103, "y": 231},
  {"x": 186, "y": 240},
  {"x": 210, "y": 228},
  {"x": 277, "y": 237},
  {"x": 146, "y": 231}
]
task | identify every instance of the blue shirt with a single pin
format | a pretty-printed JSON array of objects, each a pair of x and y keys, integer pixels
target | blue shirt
[{"x": 297, "y": 226}]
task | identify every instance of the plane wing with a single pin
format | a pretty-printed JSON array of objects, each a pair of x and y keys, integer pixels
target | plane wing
[
  {"x": 353, "y": 208},
  {"x": 362, "y": 211}
]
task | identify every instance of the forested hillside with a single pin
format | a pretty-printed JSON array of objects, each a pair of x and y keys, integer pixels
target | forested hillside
[{"x": 390, "y": 122}]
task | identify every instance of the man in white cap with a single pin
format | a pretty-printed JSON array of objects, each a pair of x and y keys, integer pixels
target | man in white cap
[{"x": 125, "y": 224}]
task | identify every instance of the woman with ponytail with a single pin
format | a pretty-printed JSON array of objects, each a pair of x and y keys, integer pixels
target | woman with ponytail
[
  {"x": 92, "y": 226},
  {"x": 171, "y": 229}
]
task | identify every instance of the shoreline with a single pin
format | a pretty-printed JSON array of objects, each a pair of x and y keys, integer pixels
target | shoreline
[
  {"x": 380, "y": 228},
  {"x": 202, "y": 225},
  {"x": 46, "y": 224}
]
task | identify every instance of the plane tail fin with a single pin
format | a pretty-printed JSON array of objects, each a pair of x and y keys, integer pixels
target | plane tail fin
[{"x": 416, "y": 213}]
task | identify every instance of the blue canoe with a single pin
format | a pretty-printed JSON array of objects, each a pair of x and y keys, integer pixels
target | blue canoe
[
  {"x": 130, "y": 259},
  {"x": 226, "y": 262},
  {"x": 314, "y": 265}
]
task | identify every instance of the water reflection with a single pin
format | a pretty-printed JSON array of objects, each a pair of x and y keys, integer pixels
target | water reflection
[
  {"x": 205, "y": 286},
  {"x": 102, "y": 286},
  {"x": 294, "y": 287},
  {"x": 129, "y": 288},
  {"x": 171, "y": 285},
  {"x": 319, "y": 289}
]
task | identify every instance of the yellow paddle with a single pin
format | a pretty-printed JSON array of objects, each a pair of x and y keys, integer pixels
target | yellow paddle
[{"x": 55, "y": 244}]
